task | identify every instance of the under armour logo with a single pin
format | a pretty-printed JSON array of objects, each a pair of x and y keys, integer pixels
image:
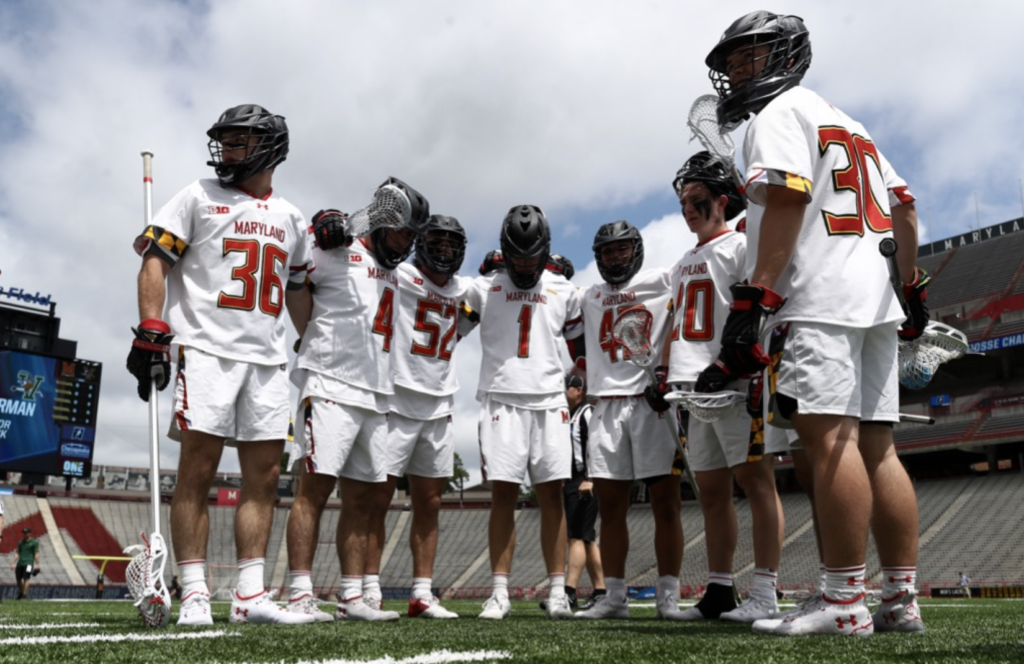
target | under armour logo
[
  {"x": 242, "y": 612},
  {"x": 496, "y": 418},
  {"x": 890, "y": 617},
  {"x": 262, "y": 206},
  {"x": 840, "y": 623},
  {"x": 853, "y": 581},
  {"x": 905, "y": 579}
]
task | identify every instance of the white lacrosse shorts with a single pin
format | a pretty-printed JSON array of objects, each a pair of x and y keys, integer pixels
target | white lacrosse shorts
[
  {"x": 342, "y": 440},
  {"x": 514, "y": 441},
  {"x": 724, "y": 443},
  {"x": 782, "y": 440},
  {"x": 236, "y": 400},
  {"x": 835, "y": 370},
  {"x": 628, "y": 440},
  {"x": 425, "y": 448}
]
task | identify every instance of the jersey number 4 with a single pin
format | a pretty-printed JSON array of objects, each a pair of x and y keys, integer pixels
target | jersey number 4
[
  {"x": 258, "y": 274},
  {"x": 857, "y": 179}
]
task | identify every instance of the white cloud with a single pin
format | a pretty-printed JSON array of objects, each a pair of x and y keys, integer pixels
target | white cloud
[{"x": 576, "y": 106}]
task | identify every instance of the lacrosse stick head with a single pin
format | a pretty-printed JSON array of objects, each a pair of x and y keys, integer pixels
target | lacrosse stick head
[
  {"x": 918, "y": 360},
  {"x": 632, "y": 331},
  {"x": 760, "y": 56},
  {"x": 703, "y": 124},
  {"x": 395, "y": 204},
  {"x": 707, "y": 406},
  {"x": 145, "y": 579}
]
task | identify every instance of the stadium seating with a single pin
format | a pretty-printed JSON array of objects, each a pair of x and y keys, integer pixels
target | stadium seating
[{"x": 956, "y": 282}]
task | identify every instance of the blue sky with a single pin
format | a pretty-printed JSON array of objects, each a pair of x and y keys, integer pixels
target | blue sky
[{"x": 578, "y": 106}]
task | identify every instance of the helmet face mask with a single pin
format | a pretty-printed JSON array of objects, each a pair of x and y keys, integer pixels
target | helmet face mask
[
  {"x": 441, "y": 245},
  {"x": 618, "y": 269},
  {"x": 760, "y": 56},
  {"x": 391, "y": 246},
  {"x": 703, "y": 167},
  {"x": 246, "y": 140},
  {"x": 525, "y": 244}
]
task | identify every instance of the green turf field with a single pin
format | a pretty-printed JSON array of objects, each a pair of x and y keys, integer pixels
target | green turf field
[{"x": 91, "y": 632}]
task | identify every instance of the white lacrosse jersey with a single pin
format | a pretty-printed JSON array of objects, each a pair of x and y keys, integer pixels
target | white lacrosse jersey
[
  {"x": 609, "y": 371},
  {"x": 232, "y": 257},
  {"x": 701, "y": 298},
  {"x": 350, "y": 337},
  {"x": 424, "y": 345},
  {"x": 837, "y": 275},
  {"x": 522, "y": 333}
]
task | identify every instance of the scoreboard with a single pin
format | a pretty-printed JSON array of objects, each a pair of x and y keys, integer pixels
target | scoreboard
[{"x": 48, "y": 411}]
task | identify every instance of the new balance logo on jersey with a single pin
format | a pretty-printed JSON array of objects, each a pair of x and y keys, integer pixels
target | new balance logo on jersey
[{"x": 218, "y": 209}]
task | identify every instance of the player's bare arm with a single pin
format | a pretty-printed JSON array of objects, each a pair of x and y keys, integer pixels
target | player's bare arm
[
  {"x": 780, "y": 227},
  {"x": 299, "y": 302},
  {"x": 904, "y": 230},
  {"x": 152, "y": 286}
]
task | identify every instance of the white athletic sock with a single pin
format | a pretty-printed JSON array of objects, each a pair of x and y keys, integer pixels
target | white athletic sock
[
  {"x": 371, "y": 585},
  {"x": 897, "y": 579},
  {"x": 844, "y": 583},
  {"x": 300, "y": 582},
  {"x": 250, "y": 578},
  {"x": 351, "y": 588},
  {"x": 193, "y": 577},
  {"x": 557, "y": 585},
  {"x": 668, "y": 584},
  {"x": 821, "y": 577},
  {"x": 616, "y": 588},
  {"x": 765, "y": 582},
  {"x": 721, "y": 578},
  {"x": 422, "y": 587},
  {"x": 500, "y": 582}
]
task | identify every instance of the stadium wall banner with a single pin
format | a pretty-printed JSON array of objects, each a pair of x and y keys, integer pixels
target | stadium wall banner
[
  {"x": 987, "y": 233},
  {"x": 995, "y": 592},
  {"x": 1009, "y": 341}
]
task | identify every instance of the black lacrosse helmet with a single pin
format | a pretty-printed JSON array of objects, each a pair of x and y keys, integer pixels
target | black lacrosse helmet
[
  {"x": 429, "y": 252},
  {"x": 386, "y": 255},
  {"x": 525, "y": 235},
  {"x": 787, "y": 61},
  {"x": 615, "y": 232},
  {"x": 250, "y": 120},
  {"x": 703, "y": 167}
]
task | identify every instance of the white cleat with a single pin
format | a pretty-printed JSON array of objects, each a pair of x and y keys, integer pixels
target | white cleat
[
  {"x": 496, "y": 608},
  {"x": 195, "y": 610},
  {"x": 828, "y": 617},
  {"x": 429, "y": 607},
  {"x": 768, "y": 624},
  {"x": 558, "y": 608},
  {"x": 668, "y": 608},
  {"x": 375, "y": 602},
  {"x": 261, "y": 609},
  {"x": 308, "y": 605},
  {"x": 359, "y": 609},
  {"x": 899, "y": 614},
  {"x": 755, "y": 608},
  {"x": 606, "y": 608}
]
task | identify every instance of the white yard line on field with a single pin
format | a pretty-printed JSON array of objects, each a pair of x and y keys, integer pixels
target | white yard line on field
[
  {"x": 435, "y": 657},
  {"x": 113, "y": 638},
  {"x": 47, "y": 626}
]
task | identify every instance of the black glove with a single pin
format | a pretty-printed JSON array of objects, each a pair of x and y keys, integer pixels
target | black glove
[
  {"x": 915, "y": 295},
  {"x": 330, "y": 229},
  {"x": 656, "y": 391},
  {"x": 741, "y": 337},
  {"x": 492, "y": 261},
  {"x": 714, "y": 378},
  {"x": 150, "y": 356},
  {"x": 35, "y": 571},
  {"x": 559, "y": 264}
]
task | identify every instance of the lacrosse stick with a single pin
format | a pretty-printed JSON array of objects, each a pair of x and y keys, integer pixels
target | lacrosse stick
[
  {"x": 703, "y": 122},
  {"x": 390, "y": 208},
  {"x": 145, "y": 573},
  {"x": 707, "y": 406},
  {"x": 632, "y": 331},
  {"x": 918, "y": 360}
]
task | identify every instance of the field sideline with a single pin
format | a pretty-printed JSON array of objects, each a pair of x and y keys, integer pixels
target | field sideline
[{"x": 92, "y": 632}]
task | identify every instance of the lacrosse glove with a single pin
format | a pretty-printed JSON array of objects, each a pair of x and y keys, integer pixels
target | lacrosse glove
[
  {"x": 492, "y": 261},
  {"x": 150, "y": 356},
  {"x": 915, "y": 295},
  {"x": 330, "y": 229},
  {"x": 559, "y": 264},
  {"x": 656, "y": 391}
]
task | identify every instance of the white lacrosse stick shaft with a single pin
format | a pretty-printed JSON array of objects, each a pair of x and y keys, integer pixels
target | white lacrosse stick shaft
[{"x": 154, "y": 415}]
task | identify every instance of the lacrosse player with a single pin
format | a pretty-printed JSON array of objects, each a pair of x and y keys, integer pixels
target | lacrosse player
[
  {"x": 524, "y": 311},
  {"x": 344, "y": 375},
  {"x": 718, "y": 451},
  {"x": 628, "y": 441},
  {"x": 233, "y": 254},
  {"x": 819, "y": 207},
  {"x": 421, "y": 436}
]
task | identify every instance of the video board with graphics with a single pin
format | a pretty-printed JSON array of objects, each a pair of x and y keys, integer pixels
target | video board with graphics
[{"x": 47, "y": 413}]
